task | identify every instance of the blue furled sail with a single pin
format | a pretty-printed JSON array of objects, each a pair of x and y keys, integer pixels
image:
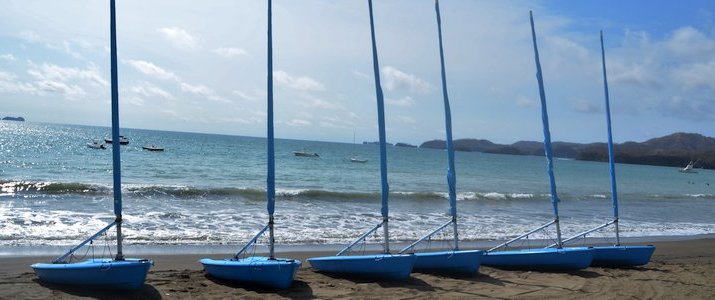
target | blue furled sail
[
  {"x": 547, "y": 258},
  {"x": 120, "y": 272},
  {"x": 265, "y": 271},
  {"x": 616, "y": 255},
  {"x": 376, "y": 266},
  {"x": 453, "y": 260}
]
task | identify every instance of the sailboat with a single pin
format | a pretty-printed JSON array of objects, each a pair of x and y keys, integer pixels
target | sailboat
[
  {"x": 616, "y": 255},
  {"x": 268, "y": 271},
  {"x": 113, "y": 273},
  {"x": 690, "y": 168},
  {"x": 354, "y": 158},
  {"x": 557, "y": 258},
  {"x": 454, "y": 260},
  {"x": 381, "y": 265}
]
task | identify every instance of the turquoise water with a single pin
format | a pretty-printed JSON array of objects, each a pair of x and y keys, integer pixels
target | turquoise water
[{"x": 209, "y": 189}]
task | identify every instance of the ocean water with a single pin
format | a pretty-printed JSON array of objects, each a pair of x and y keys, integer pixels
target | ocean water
[{"x": 210, "y": 190}]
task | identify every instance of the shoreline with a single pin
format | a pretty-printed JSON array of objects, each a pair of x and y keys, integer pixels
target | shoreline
[
  {"x": 678, "y": 269},
  {"x": 189, "y": 249}
]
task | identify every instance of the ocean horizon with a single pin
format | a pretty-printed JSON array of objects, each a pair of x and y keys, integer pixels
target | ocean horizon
[{"x": 209, "y": 190}]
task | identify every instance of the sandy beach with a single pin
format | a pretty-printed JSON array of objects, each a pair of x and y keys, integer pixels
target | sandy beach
[{"x": 678, "y": 270}]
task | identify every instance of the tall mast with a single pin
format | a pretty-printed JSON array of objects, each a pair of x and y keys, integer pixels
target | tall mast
[
  {"x": 547, "y": 135},
  {"x": 381, "y": 124},
  {"x": 116, "y": 162},
  {"x": 451, "y": 175},
  {"x": 611, "y": 157},
  {"x": 271, "y": 181}
]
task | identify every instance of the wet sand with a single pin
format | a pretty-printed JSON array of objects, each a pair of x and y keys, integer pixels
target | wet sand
[{"x": 678, "y": 270}]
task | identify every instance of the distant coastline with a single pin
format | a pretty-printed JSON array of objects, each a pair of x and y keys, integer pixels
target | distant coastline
[
  {"x": 675, "y": 150},
  {"x": 19, "y": 119}
]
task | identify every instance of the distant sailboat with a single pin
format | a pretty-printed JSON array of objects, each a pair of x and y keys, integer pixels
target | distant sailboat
[
  {"x": 268, "y": 271},
  {"x": 122, "y": 140},
  {"x": 689, "y": 168},
  {"x": 111, "y": 273},
  {"x": 453, "y": 260},
  {"x": 373, "y": 266},
  {"x": 304, "y": 153},
  {"x": 616, "y": 255},
  {"x": 558, "y": 258},
  {"x": 96, "y": 145},
  {"x": 354, "y": 158}
]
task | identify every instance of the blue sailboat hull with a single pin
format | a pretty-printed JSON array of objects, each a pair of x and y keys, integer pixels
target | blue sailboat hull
[
  {"x": 127, "y": 274},
  {"x": 273, "y": 273},
  {"x": 622, "y": 256},
  {"x": 466, "y": 262},
  {"x": 553, "y": 259},
  {"x": 378, "y": 266}
]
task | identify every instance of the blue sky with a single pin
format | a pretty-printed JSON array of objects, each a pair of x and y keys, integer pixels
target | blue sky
[{"x": 200, "y": 67}]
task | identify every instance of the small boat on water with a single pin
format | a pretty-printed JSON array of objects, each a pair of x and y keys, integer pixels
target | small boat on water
[
  {"x": 96, "y": 145},
  {"x": 303, "y": 153},
  {"x": 122, "y": 140},
  {"x": 153, "y": 148},
  {"x": 689, "y": 168},
  {"x": 357, "y": 160}
]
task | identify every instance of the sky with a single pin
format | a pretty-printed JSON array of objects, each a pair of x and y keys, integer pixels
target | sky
[{"x": 200, "y": 66}]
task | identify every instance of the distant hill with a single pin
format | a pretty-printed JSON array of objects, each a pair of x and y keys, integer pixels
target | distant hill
[
  {"x": 20, "y": 119},
  {"x": 674, "y": 150}
]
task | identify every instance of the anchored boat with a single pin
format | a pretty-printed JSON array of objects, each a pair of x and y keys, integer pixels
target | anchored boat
[
  {"x": 557, "y": 258},
  {"x": 453, "y": 260},
  {"x": 373, "y": 266},
  {"x": 111, "y": 273},
  {"x": 264, "y": 271}
]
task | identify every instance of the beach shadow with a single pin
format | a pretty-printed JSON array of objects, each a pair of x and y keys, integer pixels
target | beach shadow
[
  {"x": 584, "y": 274},
  {"x": 635, "y": 268},
  {"x": 298, "y": 290},
  {"x": 410, "y": 282},
  {"x": 146, "y": 292},
  {"x": 472, "y": 277}
]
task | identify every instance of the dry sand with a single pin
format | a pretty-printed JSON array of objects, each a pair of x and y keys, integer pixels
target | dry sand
[{"x": 678, "y": 270}]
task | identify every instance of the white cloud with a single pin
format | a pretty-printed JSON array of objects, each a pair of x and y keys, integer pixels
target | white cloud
[
  {"x": 70, "y": 91},
  {"x": 688, "y": 42},
  {"x": 320, "y": 103},
  {"x": 56, "y": 73},
  {"x": 362, "y": 75},
  {"x": 203, "y": 91},
  {"x": 245, "y": 96},
  {"x": 10, "y": 84},
  {"x": 522, "y": 101},
  {"x": 301, "y": 83},
  {"x": 336, "y": 122},
  {"x": 397, "y": 80},
  {"x": 152, "y": 70},
  {"x": 8, "y": 56},
  {"x": 179, "y": 37},
  {"x": 406, "y": 119},
  {"x": 297, "y": 123},
  {"x": 406, "y": 101},
  {"x": 151, "y": 91},
  {"x": 696, "y": 75},
  {"x": 230, "y": 52},
  {"x": 585, "y": 106}
]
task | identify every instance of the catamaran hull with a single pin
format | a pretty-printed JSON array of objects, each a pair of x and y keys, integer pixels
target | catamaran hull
[
  {"x": 379, "y": 266},
  {"x": 622, "y": 256},
  {"x": 273, "y": 273},
  {"x": 466, "y": 262},
  {"x": 127, "y": 274},
  {"x": 552, "y": 259}
]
